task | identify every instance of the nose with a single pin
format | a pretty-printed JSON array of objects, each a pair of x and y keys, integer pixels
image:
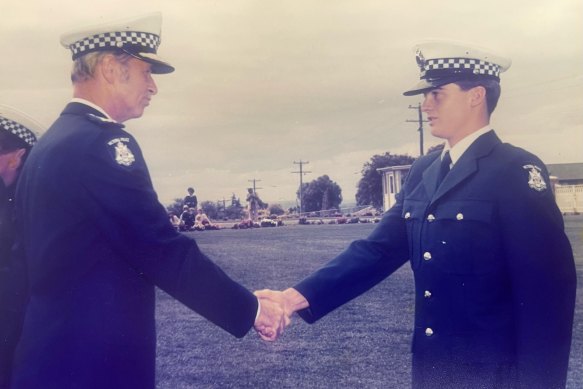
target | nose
[
  {"x": 425, "y": 106},
  {"x": 152, "y": 88}
]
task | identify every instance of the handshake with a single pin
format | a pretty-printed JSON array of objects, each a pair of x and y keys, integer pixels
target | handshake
[{"x": 276, "y": 310}]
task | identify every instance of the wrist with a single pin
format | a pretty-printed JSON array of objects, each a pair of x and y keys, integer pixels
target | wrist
[{"x": 295, "y": 300}]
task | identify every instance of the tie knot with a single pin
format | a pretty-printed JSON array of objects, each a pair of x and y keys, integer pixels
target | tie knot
[
  {"x": 444, "y": 167},
  {"x": 446, "y": 160}
]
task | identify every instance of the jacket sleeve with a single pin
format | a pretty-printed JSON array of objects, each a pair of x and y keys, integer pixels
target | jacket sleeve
[
  {"x": 126, "y": 209},
  {"x": 542, "y": 275}
]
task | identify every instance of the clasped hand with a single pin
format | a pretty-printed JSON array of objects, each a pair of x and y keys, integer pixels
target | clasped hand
[{"x": 276, "y": 311}]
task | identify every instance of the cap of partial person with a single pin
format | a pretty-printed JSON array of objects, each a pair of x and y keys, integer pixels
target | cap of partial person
[
  {"x": 442, "y": 62},
  {"x": 20, "y": 125},
  {"x": 139, "y": 37}
]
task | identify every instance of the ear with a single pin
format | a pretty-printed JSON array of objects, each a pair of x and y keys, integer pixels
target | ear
[
  {"x": 107, "y": 68},
  {"x": 478, "y": 95},
  {"x": 16, "y": 158}
]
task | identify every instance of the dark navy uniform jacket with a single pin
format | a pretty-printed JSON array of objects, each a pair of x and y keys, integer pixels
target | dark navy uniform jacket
[
  {"x": 494, "y": 272},
  {"x": 97, "y": 241},
  {"x": 12, "y": 285}
]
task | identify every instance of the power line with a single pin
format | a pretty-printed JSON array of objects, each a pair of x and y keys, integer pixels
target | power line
[
  {"x": 301, "y": 173},
  {"x": 420, "y": 129},
  {"x": 254, "y": 181}
]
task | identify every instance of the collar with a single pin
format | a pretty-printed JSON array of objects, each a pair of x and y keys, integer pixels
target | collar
[
  {"x": 92, "y": 105},
  {"x": 460, "y": 147}
]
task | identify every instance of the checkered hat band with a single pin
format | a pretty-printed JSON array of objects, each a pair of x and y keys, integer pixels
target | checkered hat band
[
  {"x": 18, "y": 129},
  {"x": 133, "y": 40},
  {"x": 451, "y": 66}
]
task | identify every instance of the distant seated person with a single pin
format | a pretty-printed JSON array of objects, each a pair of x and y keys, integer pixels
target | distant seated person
[
  {"x": 174, "y": 220},
  {"x": 202, "y": 222},
  {"x": 190, "y": 200},
  {"x": 246, "y": 223},
  {"x": 187, "y": 218}
]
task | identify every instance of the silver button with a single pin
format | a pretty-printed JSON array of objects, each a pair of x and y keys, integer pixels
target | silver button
[
  {"x": 459, "y": 216},
  {"x": 427, "y": 294},
  {"x": 428, "y": 332},
  {"x": 430, "y": 218},
  {"x": 427, "y": 255},
  {"x": 408, "y": 215}
]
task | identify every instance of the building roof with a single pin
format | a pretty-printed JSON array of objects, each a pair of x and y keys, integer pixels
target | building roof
[
  {"x": 393, "y": 168},
  {"x": 566, "y": 171}
]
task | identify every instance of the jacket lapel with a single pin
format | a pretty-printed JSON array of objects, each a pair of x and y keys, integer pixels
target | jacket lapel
[{"x": 466, "y": 166}]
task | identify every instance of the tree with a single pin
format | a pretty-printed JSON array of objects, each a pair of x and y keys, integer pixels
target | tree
[
  {"x": 321, "y": 192},
  {"x": 436, "y": 147},
  {"x": 175, "y": 207},
  {"x": 276, "y": 209},
  {"x": 370, "y": 186},
  {"x": 235, "y": 210},
  {"x": 210, "y": 209}
]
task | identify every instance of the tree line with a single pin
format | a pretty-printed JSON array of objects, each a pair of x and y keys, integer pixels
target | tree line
[{"x": 320, "y": 194}]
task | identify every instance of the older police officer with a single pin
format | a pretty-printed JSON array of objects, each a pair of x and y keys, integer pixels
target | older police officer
[
  {"x": 96, "y": 238},
  {"x": 18, "y": 133},
  {"x": 494, "y": 272}
]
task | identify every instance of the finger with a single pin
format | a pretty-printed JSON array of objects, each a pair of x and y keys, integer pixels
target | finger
[
  {"x": 268, "y": 335},
  {"x": 287, "y": 320},
  {"x": 261, "y": 292}
]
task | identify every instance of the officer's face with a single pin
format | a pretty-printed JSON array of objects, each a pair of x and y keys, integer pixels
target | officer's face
[
  {"x": 447, "y": 109},
  {"x": 135, "y": 89}
]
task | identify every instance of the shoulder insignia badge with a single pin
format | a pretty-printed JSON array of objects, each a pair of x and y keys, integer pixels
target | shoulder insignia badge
[
  {"x": 123, "y": 155},
  {"x": 535, "y": 178}
]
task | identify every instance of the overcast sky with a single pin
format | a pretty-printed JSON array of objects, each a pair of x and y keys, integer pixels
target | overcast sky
[{"x": 261, "y": 84}]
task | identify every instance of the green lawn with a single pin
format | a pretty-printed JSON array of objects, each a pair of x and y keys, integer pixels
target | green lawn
[{"x": 364, "y": 344}]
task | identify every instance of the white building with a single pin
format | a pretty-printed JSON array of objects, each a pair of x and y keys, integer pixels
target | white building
[{"x": 393, "y": 179}]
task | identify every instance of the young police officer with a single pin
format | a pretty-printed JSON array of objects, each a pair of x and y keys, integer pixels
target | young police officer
[
  {"x": 494, "y": 272},
  {"x": 96, "y": 238}
]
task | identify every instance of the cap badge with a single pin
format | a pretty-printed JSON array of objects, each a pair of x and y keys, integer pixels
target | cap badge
[
  {"x": 123, "y": 155},
  {"x": 420, "y": 59},
  {"x": 535, "y": 179}
]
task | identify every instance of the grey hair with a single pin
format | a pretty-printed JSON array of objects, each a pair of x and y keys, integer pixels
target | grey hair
[{"x": 84, "y": 66}]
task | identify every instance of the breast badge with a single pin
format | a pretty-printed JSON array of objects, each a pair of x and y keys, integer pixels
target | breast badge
[
  {"x": 535, "y": 178},
  {"x": 123, "y": 155}
]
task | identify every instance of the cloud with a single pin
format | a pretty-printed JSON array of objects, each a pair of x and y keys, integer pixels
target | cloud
[{"x": 260, "y": 84}]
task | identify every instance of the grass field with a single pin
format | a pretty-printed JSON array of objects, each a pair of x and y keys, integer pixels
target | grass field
[{"x": 364, "y": 344}]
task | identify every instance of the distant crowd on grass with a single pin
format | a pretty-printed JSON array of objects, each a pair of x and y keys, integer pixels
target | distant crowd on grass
[
  {"x": 191, "y": 218},
  {"x": 187, "y": 214}
]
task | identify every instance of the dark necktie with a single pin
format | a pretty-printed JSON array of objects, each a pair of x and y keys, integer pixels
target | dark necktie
[{"x": 444, "y": 168}]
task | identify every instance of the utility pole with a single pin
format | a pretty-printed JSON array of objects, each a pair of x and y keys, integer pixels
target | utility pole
[
  {"x": 301, "y": 173},
  {"x": 254, "y": 181},
  {"x": 224, "y": 206},
  {"x": 420, "y": 121}
]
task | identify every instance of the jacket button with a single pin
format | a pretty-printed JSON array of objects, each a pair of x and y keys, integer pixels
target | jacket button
[
  {"x": 427, "y": 294},
  {"x": 408, "y": 215},
  {"x": 430, "y": 218},
  {"x": 459, "y": 216},
  {"x": 427, "y": 255},
  {"x": 428, "y": 332}
]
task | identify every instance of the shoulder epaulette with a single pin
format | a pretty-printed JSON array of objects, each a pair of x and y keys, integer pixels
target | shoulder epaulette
[{"x": 104, "y": 121}]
